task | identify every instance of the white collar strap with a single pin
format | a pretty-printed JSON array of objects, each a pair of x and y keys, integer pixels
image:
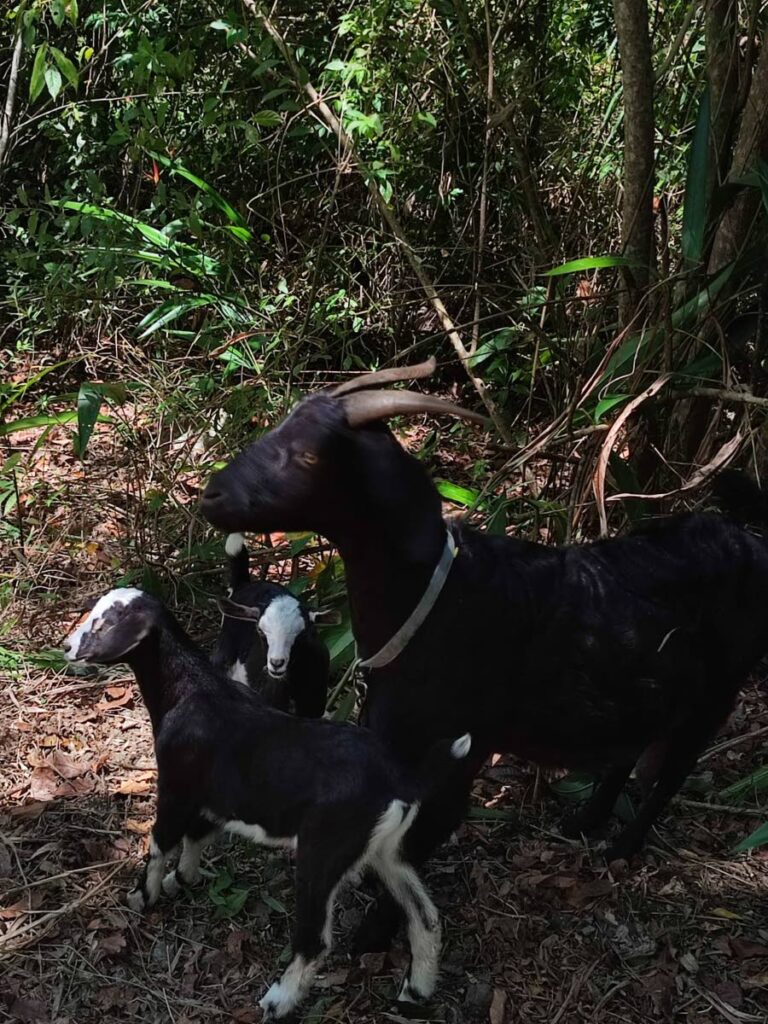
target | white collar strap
[{"x": 397, "y": 644}]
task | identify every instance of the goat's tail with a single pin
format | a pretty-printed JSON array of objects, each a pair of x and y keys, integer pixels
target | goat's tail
[
  {"x": 740, "y": 497},
  {"x": 395, "y": 821},
  {"x": 441, "y": 762},
  {"x": 237, "y": 553}
]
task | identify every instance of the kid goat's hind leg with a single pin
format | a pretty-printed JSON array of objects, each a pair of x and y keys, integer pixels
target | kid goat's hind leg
[
  {"x": 323, "y": 858},
  {"x": 423, "y": 925}
]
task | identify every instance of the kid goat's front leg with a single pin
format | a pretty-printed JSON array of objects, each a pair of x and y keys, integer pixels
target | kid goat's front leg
[{"x": 170, "y": 825}]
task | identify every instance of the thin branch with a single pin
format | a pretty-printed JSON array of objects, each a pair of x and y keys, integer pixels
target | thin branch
[{"x": 10, "y": 96}]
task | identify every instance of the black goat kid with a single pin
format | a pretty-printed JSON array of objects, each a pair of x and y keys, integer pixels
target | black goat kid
[
  {"x": 268, "y": 640},
  {"x": 226, "y": 761},
  {"x": 580, "y": 656}
]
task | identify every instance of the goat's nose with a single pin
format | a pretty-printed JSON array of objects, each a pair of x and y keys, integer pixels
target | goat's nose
[
  {"x": 66, "y": 646},
  {"x": 277, "y": 662}
]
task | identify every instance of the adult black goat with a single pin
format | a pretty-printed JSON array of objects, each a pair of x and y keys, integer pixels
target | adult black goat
[
  {"x": 269, "y": 641},
  {"x": 579, "y": 656}
]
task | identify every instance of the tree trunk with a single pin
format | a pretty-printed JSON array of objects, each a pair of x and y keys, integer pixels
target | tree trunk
[
  {"x": 637, "y": 211},
  {"x": 722, "y": 77},
  {"x": 751, "y": 144}
]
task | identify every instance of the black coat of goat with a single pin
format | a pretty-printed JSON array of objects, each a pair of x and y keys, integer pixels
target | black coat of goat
[
  {"x": 227, "y": 761},
  {"x": 269, "y": 641},
  {"x": 580, "y": 656}
]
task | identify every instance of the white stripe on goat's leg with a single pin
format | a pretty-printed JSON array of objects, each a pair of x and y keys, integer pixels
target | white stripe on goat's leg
[
  {"x": 150, "y": 880},
  {"x": 167, "y": 833},
  {"x": 423, "y": 926},
  {"x": 187, "y": 872}
]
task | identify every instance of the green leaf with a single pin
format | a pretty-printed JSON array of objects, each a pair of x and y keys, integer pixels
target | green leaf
[
  {"x": 758, "y": 838},
  {"x": 89, "y": 400},
  {"x": 30, "y": 422},
  {"x": 66, "y": 67},
  {"x": 607, "y": 403},
  {"x": 219, "y": 201},
  {"x": 266, "y": 118},
  {"x": 576, "y": 786},
  {"x": 756, "y": 782},
  {"x": 589, "y": 263},
  {"x": 37, "y": 78},
  {"x": 58, "y": 12},
  {"x": 695, "y": 202},
  {"x": 72, "y": 11},
  {"x": 491, "y": 814},
  {"x": 53, "y": 81},
  {"x": 169, "y": 311},
  {"x": 453, "y": 492},
  {"x": 273, "y": 904}
]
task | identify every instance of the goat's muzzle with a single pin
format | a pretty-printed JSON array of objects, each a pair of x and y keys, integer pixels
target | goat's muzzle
[{"x": 220, "y": 507}]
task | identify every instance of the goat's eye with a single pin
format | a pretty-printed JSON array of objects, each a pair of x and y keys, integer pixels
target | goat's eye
[{"x": 307, "y": 458}]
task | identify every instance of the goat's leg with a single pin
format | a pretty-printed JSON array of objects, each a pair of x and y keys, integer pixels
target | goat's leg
[
  {"x": 321, "y": 864},
  {"x": 197, "y": 836},
  {"x": 439, "y": 816},
  {"x": 599, "y": 806},
  {"x": 680, "y": 755},
  {"x": 170, "y": 826},
  {"x": 423, "y": 927}
]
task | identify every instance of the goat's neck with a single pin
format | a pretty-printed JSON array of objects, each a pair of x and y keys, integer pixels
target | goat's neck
[
  {"x": 388, "y": 566},
  {"x": 163, "y": 664}
]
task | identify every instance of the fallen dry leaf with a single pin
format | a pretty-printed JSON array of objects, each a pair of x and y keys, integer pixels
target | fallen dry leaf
[
  {"x": 744, "y": 949},
  {"x": 29, "y": 901},
  {"x": 29, "y": 1011},
  {"x": 498, "y": 1005},
  {"x": 45, "y": 785},
  {"x": 111, "y": 943},
  {"x": 29, "y": 811},
  {"x": 730, "y": 993},
  {"x": 246, "y": 1014},
  {"x": 125, "y": 697},
  {"x": 133, "y": 787},
  {"x": 139, "y": 828}
]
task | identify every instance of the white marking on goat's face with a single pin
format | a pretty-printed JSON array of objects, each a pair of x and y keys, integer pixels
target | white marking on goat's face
[
  {"x": 281, "y": 623},
  {"x": 238, "y": 672},
  {"x": 122, "y": 596}
]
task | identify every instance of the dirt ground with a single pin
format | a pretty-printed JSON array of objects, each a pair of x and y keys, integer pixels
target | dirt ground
[{"x": 536, "y": 928}]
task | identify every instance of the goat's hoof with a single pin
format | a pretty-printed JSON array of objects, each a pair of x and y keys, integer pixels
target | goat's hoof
[
  {"x": 412, "y": 1003},
  {"x": 171, "y": 884},
  {"x": 277, "y": 1003},
  {"x": 136, "y": 900},
  {"x": 621, "y": 853},
  {"x": 409, "y": 994}
]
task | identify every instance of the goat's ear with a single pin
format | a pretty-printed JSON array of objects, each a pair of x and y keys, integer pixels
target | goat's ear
[
  {"x": 326, "y": 617},
  {"x": 240, "y": 611},
  {"x": 112, "y": 643}
]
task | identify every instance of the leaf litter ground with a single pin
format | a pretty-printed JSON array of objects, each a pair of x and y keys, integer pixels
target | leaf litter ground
[{"x": 536, "y": 928}]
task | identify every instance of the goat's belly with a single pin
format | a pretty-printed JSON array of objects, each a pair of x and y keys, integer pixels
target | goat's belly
[
  {"x": 589, "y": 755},
  {"x": 256, "y": 833}
]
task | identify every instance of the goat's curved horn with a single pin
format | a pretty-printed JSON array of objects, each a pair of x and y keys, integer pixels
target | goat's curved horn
[
  {"x": 391, "y": 376},
  {"x": 380, "y": 405}
]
